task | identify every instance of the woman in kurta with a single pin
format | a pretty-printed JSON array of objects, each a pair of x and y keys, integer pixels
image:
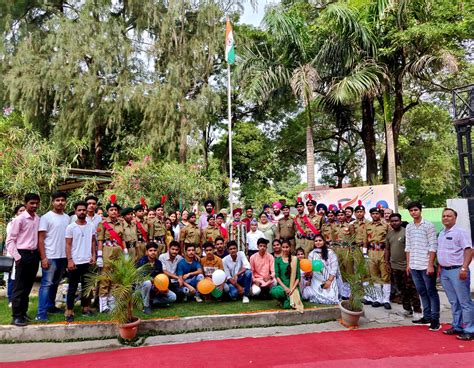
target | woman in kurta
[
  {"x": 287, "y": 273},
  {"x": 169, "y": 237},
  {"x": 268, "y": 229},
  {"x": 322, "y": 286}
]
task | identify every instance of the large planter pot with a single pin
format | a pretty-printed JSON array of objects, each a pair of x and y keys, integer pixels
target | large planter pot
[
  {"x": 349, "y": 318},
  {"x": 128, "y": 331}
]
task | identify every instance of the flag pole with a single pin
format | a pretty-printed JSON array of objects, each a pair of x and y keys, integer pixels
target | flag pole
[{"x": 229, "y": 119}]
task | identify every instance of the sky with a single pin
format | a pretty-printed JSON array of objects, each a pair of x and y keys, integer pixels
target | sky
[{"x": 254, "y": 16}]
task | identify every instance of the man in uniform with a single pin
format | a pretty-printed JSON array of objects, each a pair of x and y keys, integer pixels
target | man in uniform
[
  {"x": 300, "y": 226},
  {"x": 328, "y": 227},
  {"x": 313, "y": 223},
  {"x": 111, "y": 245},
  {"x": 238, "y": 230},
  {"x": 343, "y": 238},
  {"x": 190, "y": 234},
  {"x": 376, "y": 240},
  {"x": 142, "y": 231},
  {"x": 130, "y": 236},
  {"x": 286, "y": 228},
  {"x": 360, "y": 226},
  {"x": 158, "y": 232},
  {"x": 211, "y": 232}
]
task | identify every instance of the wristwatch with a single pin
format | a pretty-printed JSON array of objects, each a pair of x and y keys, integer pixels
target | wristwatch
[{"x": 463, "y": 269}]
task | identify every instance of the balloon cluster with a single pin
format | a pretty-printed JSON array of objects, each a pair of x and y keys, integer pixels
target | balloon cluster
[
  {"x": 211, "y": 285},
  {"x": 307, "y": 266}
]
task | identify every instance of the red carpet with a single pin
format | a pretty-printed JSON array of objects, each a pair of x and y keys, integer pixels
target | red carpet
[{"x": 385, "y": 347}]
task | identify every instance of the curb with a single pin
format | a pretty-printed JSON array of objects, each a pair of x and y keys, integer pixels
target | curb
[{"x": 101, "y": 330}]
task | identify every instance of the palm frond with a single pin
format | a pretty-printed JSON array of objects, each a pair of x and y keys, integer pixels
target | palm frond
[
  {"x": 429, "y": 64},
  {"x": 303, "y": 82}
]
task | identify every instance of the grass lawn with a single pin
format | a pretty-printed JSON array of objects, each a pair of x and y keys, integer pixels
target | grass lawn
[{"x": 175, "y": 310}]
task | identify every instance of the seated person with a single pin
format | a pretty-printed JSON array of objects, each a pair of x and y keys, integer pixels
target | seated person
[
  {"x": 169, "y": 261},
  {"x": 189, "y": 273},
  {"x": 262, "y": 265},
  {"x": 147, "y": 288},
  {"x": 238, "y": 274},
  {"x": 221, "y": 250},
  {"x": 210, "y": 262},
  {"x": 276, "y": 248}
]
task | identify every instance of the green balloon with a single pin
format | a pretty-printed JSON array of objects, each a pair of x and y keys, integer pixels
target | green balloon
[
  {"x": 216, "y": 293},
  {"x": 317, "y": 265}
]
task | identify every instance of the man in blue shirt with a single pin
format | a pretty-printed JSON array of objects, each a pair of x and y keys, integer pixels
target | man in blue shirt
[
  {"x": 147, "y": 288},
  {"x": 189, "y": 272}
]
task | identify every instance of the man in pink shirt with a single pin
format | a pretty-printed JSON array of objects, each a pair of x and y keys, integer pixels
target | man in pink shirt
[
  {"x": 22, "y": 244},
  {"x": 262, "y": 265}
]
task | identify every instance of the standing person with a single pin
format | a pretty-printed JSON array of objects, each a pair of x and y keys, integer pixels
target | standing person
[
  {"x": 52, "y": 250},
  {"x": 378, "y": 267},
  {"x": 268, "y": 229},
  {"x": 80, "y": 253},
  {"x": 9, "y": 277},
  {"x": 111, "y": 246},
  {"x": 175, "y": 224},
  {"x": 277, "y": 214},
  {"x": 252, "y": 237},
  {"x": 238, "y": 273},
  {"x": 349, "y": 211},
  {"x": 22, "y": 244},
  {"x": 92, "y": 217},
  {"x": 169, "y": 237},
  {"x": 386, "y": 215},
  {"x": 396, "y": 261},
  {"x": 211, "y": 232},
  {"x": 328, "y": 227},
  {"x": 300, "y": 226},
  {"x": 220, "y": 221},
  {"x": 322, "y": 288},
  {"x": 313, "y": 223},
  {"x": 360, "y": 226},
  {"x": 238, "y": 230},
  {"x": 159, "y": 230},
  {"x": 286, "y": 228},
  {"x": 221, "y": 250},
  {"x": 262, "y": 265},
  {"x": 142, "y": 230},
  {"x": 248, "y": 217},
  {"x": 184, "y": 219},
  {"x": 189, "y": 271},
  {"x": 130, "y": 233},
  {"x": 455, "y": 256},
  {"x": 322, "y": 211},
  {"x": 204, "y": 218},
  {"x": 191, "y": 235},
  {"x": 169, "y": 261},
  {"x": 421, "y": 246}
]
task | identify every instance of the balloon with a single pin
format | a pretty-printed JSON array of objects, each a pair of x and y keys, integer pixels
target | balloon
[
  {"x": 305, "y": 265},
  {"x": 216, "y": 293},
  {"x": 317, "y": 265},
  {"x": 161, "y": 282},
  {"x": 206, "y": 286},
  {"x": 218, "y": 277}
]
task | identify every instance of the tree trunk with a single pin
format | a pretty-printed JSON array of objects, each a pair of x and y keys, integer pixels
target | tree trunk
[
  {"x": 310, "y": 178},
  {"x": 183, "y": 142},
  {"x": 367, "y": 134},
  {"x": 390, "y": 153},
  {"x": 98, "y": 150},
  {"x": 205, "y": 144}
]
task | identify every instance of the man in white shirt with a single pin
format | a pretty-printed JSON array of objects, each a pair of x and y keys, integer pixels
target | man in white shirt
[
  {"x": 238, "y": 274},
  {"x": 52, "y": 250},
  {"x": 80, "y": 252},
  {"x": 170, "y": 261},
  {"x": 252, "y": 237}
]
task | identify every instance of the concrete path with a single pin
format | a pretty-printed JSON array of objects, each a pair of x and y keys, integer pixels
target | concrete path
[{"x": 374, "y": 318}]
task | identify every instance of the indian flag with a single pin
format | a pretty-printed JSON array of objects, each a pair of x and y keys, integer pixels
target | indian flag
[{"x": 229, "y": 43}]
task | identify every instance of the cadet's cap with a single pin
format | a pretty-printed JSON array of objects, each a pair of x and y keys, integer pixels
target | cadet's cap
[
  {"x": 126, "y": 211},
  {"x": 374, "y": 209},
  {"x": 138, "y": 207}
]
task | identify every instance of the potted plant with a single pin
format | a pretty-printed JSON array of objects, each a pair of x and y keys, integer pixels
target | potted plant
[{"x": 125, "y": 279}]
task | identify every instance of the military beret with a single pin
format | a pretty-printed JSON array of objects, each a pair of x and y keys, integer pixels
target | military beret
[
  {"x": 339, "y": 212},
  {"x": 126, "y": 211},
  {"x": 138, "y": 207},
  {"x": 285, "y": 206},
  {"x": 374, "y": 209},
  {"x": 112, "y": 205},
  {"x": 299, "y": 202}
]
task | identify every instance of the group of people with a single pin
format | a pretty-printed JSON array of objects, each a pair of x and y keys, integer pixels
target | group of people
[{"x": 260, "y": 256}]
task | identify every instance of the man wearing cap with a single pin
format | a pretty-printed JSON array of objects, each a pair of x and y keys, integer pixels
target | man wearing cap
[
  {"x": 130, "y": 236},
  {"x": 376, "y": 240},
  {"x": 328, "y": 227},
  {"x": 360, "y": 226},
  {"x": 252, "y": 237},
  {"x": 299, "y": 220},
  {"x": 158, "y": 230},
  {"x": 286, "y": 228},
  {"x": 262, "y": 265},
  {"x": 111, "y": 245},
  {"x": 277, "y": 214},
  {"x": 142, "y": 230},
  {"x": 248, "y": 217},
  {"x": 313, "y": 223},
  {"x": 190, "y": 234},
  {"x": 211, "y": 232},
  {"x": 209, "y": 205},
  {"x": 343, "y": 238},
  {"x": 238, "y": 230}
]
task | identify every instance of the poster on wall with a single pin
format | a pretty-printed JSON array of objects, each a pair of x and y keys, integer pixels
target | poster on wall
[{"x": 380, "y": 196}]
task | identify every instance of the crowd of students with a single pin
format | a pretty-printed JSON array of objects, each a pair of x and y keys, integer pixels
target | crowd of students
[{"x": 260, "y": 258}]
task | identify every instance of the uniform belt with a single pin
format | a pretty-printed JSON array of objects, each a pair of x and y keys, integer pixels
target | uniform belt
[
  {"x": 159, "y": 239},
  {"x": 450, "y": 267},
  {"x": 109, "y": 243},
  {"x": 130, "y": 244},
  {"x": 310, "y": 236},
  {"x": 300, "y": 236},
  {"x": 376, "y": 246}
]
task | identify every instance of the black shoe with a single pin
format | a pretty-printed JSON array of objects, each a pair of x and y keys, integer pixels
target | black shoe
[
  {"x": 54, "y": 310},
  {"x": 387, "y": 306},
  {"x": 435, "y": 326},
  {"x": 366, "y": 302},
  {"x": 70, "y": 318},
  {"x": 466, "y": 337},
  {"x": 28, "y": 318},
  {"x": 421, "y": 321},
  {"x": 344, "y": 298},
  {"x": 147, "y": 310},
  {"x": 20, "y": 322},
  {"x": 453, "y": 331},
  {"x": 376, "y": 304}
]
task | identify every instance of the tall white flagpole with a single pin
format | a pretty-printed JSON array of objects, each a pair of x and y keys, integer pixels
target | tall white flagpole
[{"x": 229, "y": 119}]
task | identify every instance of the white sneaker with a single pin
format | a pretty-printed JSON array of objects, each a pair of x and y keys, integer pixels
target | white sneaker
[
  {"x": 417, "y": 316},
  {"x": 198, "y": 299},
  {"x": 245, "y": 300}
]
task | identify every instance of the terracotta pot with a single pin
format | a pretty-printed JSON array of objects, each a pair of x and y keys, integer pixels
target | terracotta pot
[
  {"x": 128, "y": 331},
  {"x": 349, "y": 318}
]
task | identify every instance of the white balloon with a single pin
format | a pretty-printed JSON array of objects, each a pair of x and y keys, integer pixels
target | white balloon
[{"x": 218, "y": 277}]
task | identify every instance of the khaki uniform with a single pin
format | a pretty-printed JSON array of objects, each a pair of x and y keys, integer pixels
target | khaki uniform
[
  {"x": 300, "y": 239},
  {"x": 140, "y": 248},
  {"x": 328, "y": 232},
  {"x": 286, "y": 230},
  {"x": 360, "y": 227},
  {"x": 376, "y": 239},
  {"x": 317, "y": 221},
  {"x": 110, "y": 249},
  {"x": 343, "y": 235},
  {"x": 130, "y": 237},
  {"x": 210, "y": 233},
  {"x": 157, "y": 234},
  {"x": 190, "y": 234}
]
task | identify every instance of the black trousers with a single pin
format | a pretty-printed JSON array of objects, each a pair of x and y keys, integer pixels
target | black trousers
[
  {"x": 410, "y": 299},
  {"x": 75, "y": 277},
  {"x": 25, "y": 276}
]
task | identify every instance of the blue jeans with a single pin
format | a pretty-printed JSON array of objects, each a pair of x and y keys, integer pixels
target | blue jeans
[
  {"x": 244, "y": 280},
  {"x": 459, "y": 295},
  {"x": 426, "y": 287},
  {"x": 158, "y": 298},
  {"x": 193, "y": 281},
  {"x": 49, "y": 285}
]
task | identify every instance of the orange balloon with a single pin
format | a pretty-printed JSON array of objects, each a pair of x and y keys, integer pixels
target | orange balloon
[
  {"x": 306, "y": 265},
  {"x": 161, "y": 282},
  {"x": 206, "y": 286}
]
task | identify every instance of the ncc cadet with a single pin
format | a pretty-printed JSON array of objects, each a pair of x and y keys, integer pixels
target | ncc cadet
[
  {"x": 158, "y": 231},
  {"x": 142, "y": 230},
  {"x": 190, "y": 234},
  {"x": 211, "y": 232},
  {"x": 343, "y": 237},
  {"x": 313, "y": 223},
  {"x": 376, "y": 240},
  {"x": 286, "y": 228},
  {"x": 129, "y": 232},
  {"x": 111, "y": 245},
  {"x": 300, "y": 226},
  {"x": 328, "y": 227},
  {"x": 360, "y": 226}
]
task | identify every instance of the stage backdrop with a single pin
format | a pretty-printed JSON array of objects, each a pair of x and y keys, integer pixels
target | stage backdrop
[{"x": 370, "y": 196}]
